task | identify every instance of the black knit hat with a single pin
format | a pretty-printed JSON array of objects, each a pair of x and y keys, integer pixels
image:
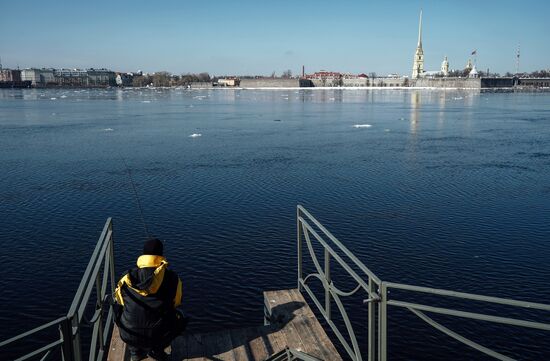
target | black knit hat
[{"x": 153, "y": 246}]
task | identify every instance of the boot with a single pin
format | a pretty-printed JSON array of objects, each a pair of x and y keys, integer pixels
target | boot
[{"x": 158, "y": 355}]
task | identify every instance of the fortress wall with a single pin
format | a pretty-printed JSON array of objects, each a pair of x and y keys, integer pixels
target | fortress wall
[
  {"x": 447, "y": 83},
  {"x": 270, "y": 83}
]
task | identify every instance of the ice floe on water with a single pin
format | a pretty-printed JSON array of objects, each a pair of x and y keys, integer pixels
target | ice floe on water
[
  {"x": 195, "y": 135},
  {"x": 362, "y": 125},
  {"x": 63, "y": 96},
  {"x": 108, "y": 129},
  {"x": 53, "y": 98},
  {"x": 146, "y": 101}
]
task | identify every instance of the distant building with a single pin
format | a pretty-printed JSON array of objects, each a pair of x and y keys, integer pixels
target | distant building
[
  {"x": 38, "y": 77},
  {"x": 361, "y": 80},
  {"x": 325, "y": 78},
  {"x": 231, "y": 81},
  {"x": 445, "y": 67},
  {"x": 473, "y": 73},
  {"x": 534, "y": 82},
  {"x": 469, "y": 65},
  {"x": 10, "y": 75},
  {"x": 124, "y": 79},
  {"x": 418, "y": 63},
  {"x": 68, "y": 77},
  {"x": 100, "y": 78}
]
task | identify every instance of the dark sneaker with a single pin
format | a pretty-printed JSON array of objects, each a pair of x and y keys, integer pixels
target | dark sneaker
[
  {"x": 158, "y": 355},
  {"x": 138, "y": 356}
]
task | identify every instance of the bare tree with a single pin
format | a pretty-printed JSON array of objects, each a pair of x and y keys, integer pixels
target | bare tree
[
  {"x": 204, "y": 77},
  {"x": 287, "y": 74}
]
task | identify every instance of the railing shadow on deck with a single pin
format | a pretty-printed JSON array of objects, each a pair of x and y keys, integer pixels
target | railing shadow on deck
[
  {"x": 198, "y": 347},
  {"x": 309, "y": 230}
]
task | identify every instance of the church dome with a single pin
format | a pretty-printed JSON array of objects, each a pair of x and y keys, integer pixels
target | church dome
[{"x": 473, "y": 73}]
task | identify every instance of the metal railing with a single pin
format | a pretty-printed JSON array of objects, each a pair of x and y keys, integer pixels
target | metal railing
[
  {"x": 378, "y": 298},
  {"x": 99, "y": 275}
]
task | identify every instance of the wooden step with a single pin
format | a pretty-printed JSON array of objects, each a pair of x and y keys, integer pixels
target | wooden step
[{"x": 292, "y": 324}]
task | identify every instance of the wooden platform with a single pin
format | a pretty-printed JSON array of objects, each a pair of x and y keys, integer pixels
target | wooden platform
[{"x": 292, "y": 324}]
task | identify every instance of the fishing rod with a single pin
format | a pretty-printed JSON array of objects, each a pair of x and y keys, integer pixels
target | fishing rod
[{"x": 146, "y": 229}]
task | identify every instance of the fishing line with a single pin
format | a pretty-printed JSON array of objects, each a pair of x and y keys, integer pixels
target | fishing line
[{"x": 136, "y": 196}]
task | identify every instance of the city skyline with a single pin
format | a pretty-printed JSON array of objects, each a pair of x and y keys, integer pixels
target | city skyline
[{"x": 261, "y": 38}]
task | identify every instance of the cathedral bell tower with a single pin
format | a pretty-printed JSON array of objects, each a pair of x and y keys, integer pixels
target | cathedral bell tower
[
  {"x": 418, "y": 64},
  {"x": 445, "y": 67}
]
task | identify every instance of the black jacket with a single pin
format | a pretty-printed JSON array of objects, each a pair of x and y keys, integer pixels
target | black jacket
[{"x": 149, "y": 295}]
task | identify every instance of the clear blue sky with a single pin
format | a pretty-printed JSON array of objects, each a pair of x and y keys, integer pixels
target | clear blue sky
[{"x": 258, "y": 37}]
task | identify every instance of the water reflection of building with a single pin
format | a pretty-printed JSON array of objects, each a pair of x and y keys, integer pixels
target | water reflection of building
[
  {"x": 441, "y": 113},
  {"x": 416, "y": 102}
]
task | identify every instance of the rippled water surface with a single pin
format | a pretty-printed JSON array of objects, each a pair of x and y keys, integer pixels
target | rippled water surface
[{"x": 437, "y": 188}]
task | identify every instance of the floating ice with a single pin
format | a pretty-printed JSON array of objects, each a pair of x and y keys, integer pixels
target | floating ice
[
  {"x": 63, "y": 96},
  {"x": 195, "y": 135},
  {"x": 362, "y": 125},
  {"x": 108, "y": 129},
  {"x": 146, "y": 101},
  {"x": 53, "y": 98}
]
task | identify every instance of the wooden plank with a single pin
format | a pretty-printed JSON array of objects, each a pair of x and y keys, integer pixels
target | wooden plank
[
  {"x": 179, "y": 347},
  {"x": 310, "y": 343},
  {"x": 320, "y": 338},
  {"x": 241, "y": 345},
  {"x": 195, "y": 348},
  {"x": 258, "y": 344},
  {"x": 276, "y": 339},
  {"x": 303, "y": 322},
  {"x": 117, "y": 347},
  {"x": 287, "y": 308},
  {"x": 218, "y": 344}
]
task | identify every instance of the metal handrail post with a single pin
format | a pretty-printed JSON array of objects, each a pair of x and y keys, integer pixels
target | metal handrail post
[
  {"x": 112, "y": 257},
  {"x": 98, "y": 324},
  {"x": 75, "y": 333},
  {"x": 327, "y": 283},
  {"x": 65, "y": 329},
  {"x": 371, "y": 343},
  {"x": 299, "y": 250},
  {"x": 382, "y": 324}
]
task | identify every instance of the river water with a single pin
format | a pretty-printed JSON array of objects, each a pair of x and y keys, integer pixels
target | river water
[{"x": 446, "y": 189}]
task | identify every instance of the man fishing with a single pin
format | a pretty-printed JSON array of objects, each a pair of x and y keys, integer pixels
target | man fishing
[{"x": 147, "y": 297}]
